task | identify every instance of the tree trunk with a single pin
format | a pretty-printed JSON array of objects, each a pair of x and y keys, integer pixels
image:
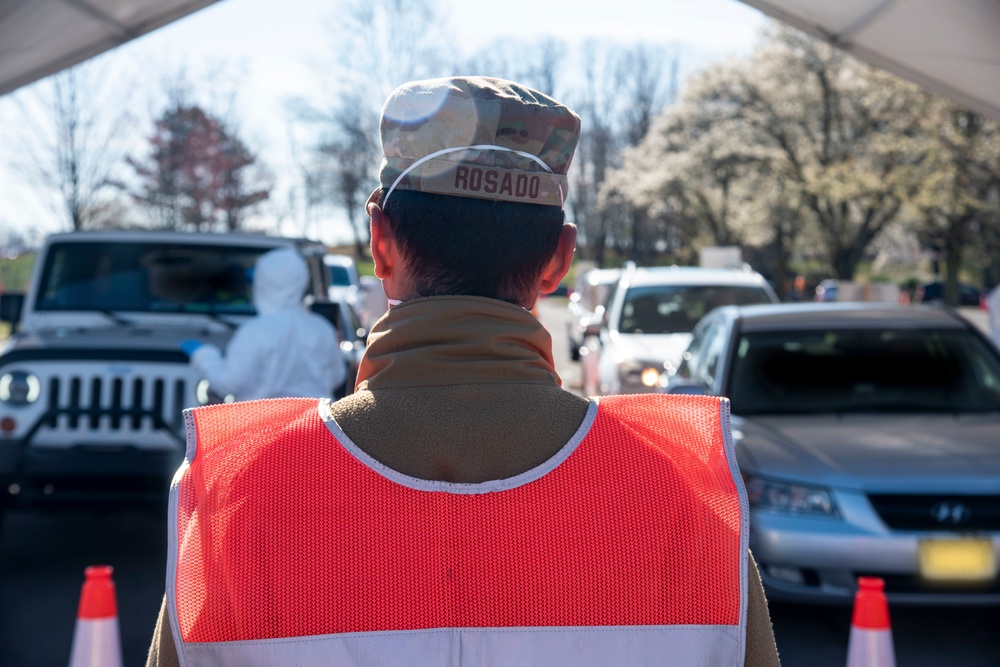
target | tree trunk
[
  {"x": 780, "y": 263},
  {"x": 844, "y": 263},
  {"x": 953, "y": 246}
]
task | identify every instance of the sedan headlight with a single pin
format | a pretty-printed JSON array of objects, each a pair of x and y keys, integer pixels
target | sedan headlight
[
  {"x": 792, "y": 498},
  {"x": 646, "y": 374},
  {"x": 19, "y": 388}
]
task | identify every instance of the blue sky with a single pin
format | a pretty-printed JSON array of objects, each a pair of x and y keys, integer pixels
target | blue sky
[{"x": 273, "y": 45}]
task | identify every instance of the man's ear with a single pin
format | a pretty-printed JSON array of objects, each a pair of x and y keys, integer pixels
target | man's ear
[
  {"x": 559, "y": 265},
  {"x": 385, "y": 253}
]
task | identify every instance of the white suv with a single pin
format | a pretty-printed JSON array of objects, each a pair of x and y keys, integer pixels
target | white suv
[
  {"x": 648, "y": 321},
  {"x": 93, "y": 383}
]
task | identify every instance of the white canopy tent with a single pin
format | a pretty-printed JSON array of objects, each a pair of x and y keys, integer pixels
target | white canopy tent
[
  {"x": 949, "y": 47},
  {"x": 41, "y": 37}
]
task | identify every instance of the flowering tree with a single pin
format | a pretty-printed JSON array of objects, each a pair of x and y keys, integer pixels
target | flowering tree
[
  {"x": 959, "y": 203},
  {"x": 797, "y": 136},
  {"x": 197, "y": 175}
]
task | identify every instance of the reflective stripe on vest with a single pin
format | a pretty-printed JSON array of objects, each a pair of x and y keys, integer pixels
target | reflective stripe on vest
[{"x": 290, "y": 545}]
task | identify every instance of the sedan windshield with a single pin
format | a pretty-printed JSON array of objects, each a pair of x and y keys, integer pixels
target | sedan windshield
[
  {"x": 667, "y": 309},
  {"x": 147, "y": 277},
  {"x": 835, "y": 371},
  {"x": 340, "y": 276}
]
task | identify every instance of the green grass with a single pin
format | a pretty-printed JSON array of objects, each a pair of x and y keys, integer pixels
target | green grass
[{"x": 15, "y": 273}]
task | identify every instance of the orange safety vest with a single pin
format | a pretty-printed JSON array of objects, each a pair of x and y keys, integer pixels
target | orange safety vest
[{"x": 291, "y": 546}]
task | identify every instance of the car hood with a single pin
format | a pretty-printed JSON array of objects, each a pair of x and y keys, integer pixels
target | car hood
[
  {"x": 666, "y": 348},
  {"x": 130, "y": 337},
  {"x": 874, "y": 452}
]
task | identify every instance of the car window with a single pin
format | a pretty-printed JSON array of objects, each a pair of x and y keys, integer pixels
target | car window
[
  {"x": 147, "y": 277},
  {"x": 694, "y": 348},
  {"x": 700, "y": 360},
  {"x": 835, "y": 371},
  {"x": 340, "y": 276},
  {"x": 667, "y": 309},
  {"x": 985, "y": 369},
  {"x": 353, "y": 324},
  {"x": 715, "y": 345}
]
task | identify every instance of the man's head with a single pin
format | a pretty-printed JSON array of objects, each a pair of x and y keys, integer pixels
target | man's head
[{"x": 473, "y": 180}]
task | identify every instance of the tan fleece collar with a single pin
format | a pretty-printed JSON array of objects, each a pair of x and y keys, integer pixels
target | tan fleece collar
[{"x": 453, "y": 340}]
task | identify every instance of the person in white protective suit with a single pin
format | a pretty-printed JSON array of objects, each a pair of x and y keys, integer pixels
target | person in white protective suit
[{"x": 285, "y": 351}]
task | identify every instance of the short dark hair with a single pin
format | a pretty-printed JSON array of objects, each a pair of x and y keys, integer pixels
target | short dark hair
[{"x": 473, "y": 247}]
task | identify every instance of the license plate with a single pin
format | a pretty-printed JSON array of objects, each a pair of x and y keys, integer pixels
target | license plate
[{"x": 959, "y": 559}]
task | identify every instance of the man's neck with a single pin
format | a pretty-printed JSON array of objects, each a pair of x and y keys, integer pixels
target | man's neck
[{"x": 460, "y": 389}]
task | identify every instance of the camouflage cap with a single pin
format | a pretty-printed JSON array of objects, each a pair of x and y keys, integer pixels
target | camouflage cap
[{"x": 477, "y": 137}]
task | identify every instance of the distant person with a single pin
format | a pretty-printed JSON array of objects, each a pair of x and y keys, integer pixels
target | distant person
[
  {"x": 798, "y": 288},
  {"x": 285, "y": 350}
]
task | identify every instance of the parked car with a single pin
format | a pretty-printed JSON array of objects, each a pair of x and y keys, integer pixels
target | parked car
[
  {"x": 868, "y": 436},
  {"x": 343, "y": 282},
  {"x": 586, "y": 304},
  {"x": 968, "y": 295},
  {"x": 827, "y": 290},
  {"x": 92, "y": 382},
  {"x": 353, "y": 336},
  {"x": 648, "y": 320}
]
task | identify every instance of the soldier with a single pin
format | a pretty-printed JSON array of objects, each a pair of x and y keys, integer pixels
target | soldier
[{"x": 460, "y": 508}]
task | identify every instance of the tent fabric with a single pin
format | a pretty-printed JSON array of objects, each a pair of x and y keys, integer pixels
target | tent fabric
[
  {"x": 41, "y": 38},
  {"x": 949, "y": 47}
]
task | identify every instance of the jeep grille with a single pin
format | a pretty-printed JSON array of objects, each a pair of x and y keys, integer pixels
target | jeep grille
[{"x": 101, "y": 407}]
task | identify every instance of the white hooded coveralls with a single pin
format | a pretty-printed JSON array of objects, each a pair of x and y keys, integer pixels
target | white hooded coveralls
[{"x": 286, "y": 350}]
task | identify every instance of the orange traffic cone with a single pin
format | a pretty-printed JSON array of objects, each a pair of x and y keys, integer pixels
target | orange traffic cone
[
  {"x": 871, "y": 637},
  {"x": 95, "y": 639}
]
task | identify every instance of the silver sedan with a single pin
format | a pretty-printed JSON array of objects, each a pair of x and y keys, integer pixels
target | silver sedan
[{"x": 868, "y": 437}]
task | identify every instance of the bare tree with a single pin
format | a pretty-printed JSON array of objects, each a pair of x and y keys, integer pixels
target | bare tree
[
  {"x": 535, "y": 64},
  {"x": 74, "y": 127},
  {"x": 349, "y": 156},
  {"x": 363, "y": 68},
  {"x": 624, "y": 89}
]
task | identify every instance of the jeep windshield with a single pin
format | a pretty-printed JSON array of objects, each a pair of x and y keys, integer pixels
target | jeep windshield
[
  {"x": 147, "y": 277},
  {"x": 866, "y": 371}
]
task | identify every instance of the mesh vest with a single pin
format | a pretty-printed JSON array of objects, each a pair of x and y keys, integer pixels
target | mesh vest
[{"x": 290, "y": 546}]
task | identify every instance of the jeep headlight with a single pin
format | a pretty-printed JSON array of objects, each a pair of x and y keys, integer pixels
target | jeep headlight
[
  {"x": 204, "y": 395},
  {"x": 19, "y": 388},
  {"x": 635, "y": 372},
  {"x": 792, "y": 498},
  {"x": 201, "y": 393}
]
